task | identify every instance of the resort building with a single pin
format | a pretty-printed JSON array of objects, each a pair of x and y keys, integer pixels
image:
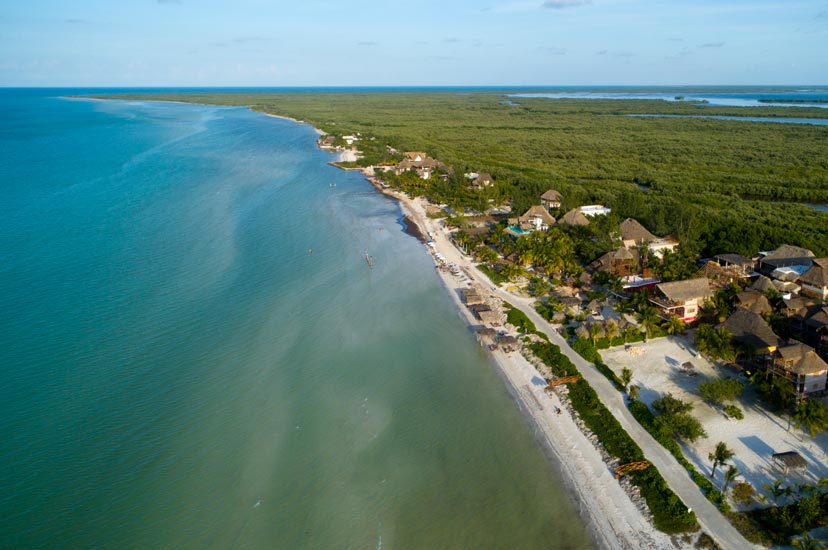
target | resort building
[
  {"x": 535, "y": 219},
  {"x": 816, "y": 329},
  {"x": 618, "y": 263},
  {"x": 681, "y": 298},
  {"x": 479, "y": 181},
  {"x": 797, "y": 259},
  {"x": 662, "y": 245},
  {"x": 574, "y": 217},
  {"x": 750, "y": 329},
  {"x": 326, "y": 142},
  {"x": 755, "y": 301},
  {"x": 551, "y": 200},
  {"x": 424, "y": 165},
  {"x": 814, "y": 282},
  {"x": 595, "y": 210},
  {"x": 415, "y": 156},
  {"x": 736, "y": 263},
  {"x": 721, "y": 276},
  {"x": 635, "y": 235},
  {"x": 801, "y": 365}
]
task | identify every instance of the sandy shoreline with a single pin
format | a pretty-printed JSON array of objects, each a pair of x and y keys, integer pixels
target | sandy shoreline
[
  {"x": 610, "y": 516},
  {"x": 607, "y": 511}
]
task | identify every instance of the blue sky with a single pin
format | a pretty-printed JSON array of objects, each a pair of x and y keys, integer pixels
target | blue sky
[{"x": 384, "y": 43}]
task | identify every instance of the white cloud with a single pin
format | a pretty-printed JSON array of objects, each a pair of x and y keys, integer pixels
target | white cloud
[{"x": 560, "y": 4}]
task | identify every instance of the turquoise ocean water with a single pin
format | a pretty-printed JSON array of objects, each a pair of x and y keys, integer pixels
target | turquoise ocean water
[{"x": 178, "y": 372}]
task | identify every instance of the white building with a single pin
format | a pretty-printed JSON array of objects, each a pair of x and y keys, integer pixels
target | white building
[{"x": 595, "y": 210}]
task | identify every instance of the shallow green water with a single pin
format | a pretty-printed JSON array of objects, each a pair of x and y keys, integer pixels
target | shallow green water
[{"x": 179, "y": 372}]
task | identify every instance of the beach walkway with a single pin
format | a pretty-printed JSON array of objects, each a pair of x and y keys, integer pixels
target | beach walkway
[
  {"x": 711, "y": 520},
  {"x": 614, "y": 504}
]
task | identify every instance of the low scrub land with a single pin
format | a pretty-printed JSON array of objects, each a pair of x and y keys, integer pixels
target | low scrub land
[{"x": 717, "y": 185}]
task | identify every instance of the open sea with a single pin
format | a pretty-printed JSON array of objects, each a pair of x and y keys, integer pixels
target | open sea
[{"x": 178, "y": 371}]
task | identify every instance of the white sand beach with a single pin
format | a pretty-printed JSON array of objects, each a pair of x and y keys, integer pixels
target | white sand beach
[
  {"x": 614, "y": 520},
  {"x": 657, "y": 370}
]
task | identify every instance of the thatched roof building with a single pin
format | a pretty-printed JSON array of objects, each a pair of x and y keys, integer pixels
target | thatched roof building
[
  {"x": 574, "y": 217},
  {"x": 535, "y": 219},
  {"x": 486, "y": 336},
  {"x": 634, "y": 233},
  {"x": 754, "y": 301},
  {"x": 790, "y": 459},
  {"x": 751, "y": 329},
  {"x": 683, "y": 291},
  {"x": 490, "y": 317},
  {"x": 814, "y": 282},
  {"x": 785, "y": 256},
  {"x": 681, "y": 298}
]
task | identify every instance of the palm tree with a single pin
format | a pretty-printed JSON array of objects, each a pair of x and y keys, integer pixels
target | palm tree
[
  {"x": 805, "y": 489},
  {"x": 611, "y": 330},
  {"x": 777, "y": 490},
  {"x": 730, "y": 475},
  {"x": 720, "y": 455},
  {"x": 626, "y": 377},
  {"x": 632, "y": 392},
  {"x": 527, "y": 256},
  {"x": 595, "y": 332},
  {"x": 486, "y": 255},
  {"x": 724, "y": 344},
  {"x": 806, "y": 542},
  {"x": 498, "y": 234},
  {"x": 812, "y": 414},
  {"x": 512, "y": 271},
  {"x": 674, "y": 325},
  {"x": 648, "y": 321},
  {"x": 462, "y": 239}
]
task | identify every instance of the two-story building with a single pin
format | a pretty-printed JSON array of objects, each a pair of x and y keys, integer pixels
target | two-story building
[
  {"x": 785, "y": 259},
  {"x": 683, "y": 299},
  {"x": 551, "y": 200},
  {"x": 635, "y": 235},
  {"x": 800, "y": 364},
  {"x": 535, "y": 219},
  {"x": 814, "y": 282}
]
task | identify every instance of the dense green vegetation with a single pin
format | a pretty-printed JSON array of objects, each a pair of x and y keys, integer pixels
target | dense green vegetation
[
  {"x": 586, "y": 349},
  {"x": 718, "y": 185},
  {"x": 647, "y": 419},
  {"x": 669, "y": 513},
  {"x": 719, "y": 391},
  {"x": 778, "y": 524},
  {"x": 519, "y": 319},
  {"x": 674, "y": 419}
]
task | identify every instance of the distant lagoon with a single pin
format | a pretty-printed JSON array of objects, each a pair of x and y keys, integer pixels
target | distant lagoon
[
  {"x": 713, "y": 96},
  {"x": 781, "y": 120}
]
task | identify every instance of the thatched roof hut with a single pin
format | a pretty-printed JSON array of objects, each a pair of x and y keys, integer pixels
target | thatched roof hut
[
  {"x": 790, "y": 459},
  {"x": 471, "y": 297},
  {"x": 754, "y": 301},
  {"x": 749, "y": 328},
  {"x": 633, "y": 233},
  {"x": 573, "y": 217},
  {"x": 486, "y": 336},
  {"x": 490, "y": 317}
]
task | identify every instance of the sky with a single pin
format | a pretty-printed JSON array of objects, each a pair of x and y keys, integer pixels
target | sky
[{"x": 424, "y": 43}]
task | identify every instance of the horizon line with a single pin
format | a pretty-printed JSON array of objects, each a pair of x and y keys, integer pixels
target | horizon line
[{"x": 410, "y": 86}]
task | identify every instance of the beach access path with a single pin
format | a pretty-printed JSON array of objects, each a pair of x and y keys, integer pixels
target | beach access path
[{"x": 711, "y": 520}]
